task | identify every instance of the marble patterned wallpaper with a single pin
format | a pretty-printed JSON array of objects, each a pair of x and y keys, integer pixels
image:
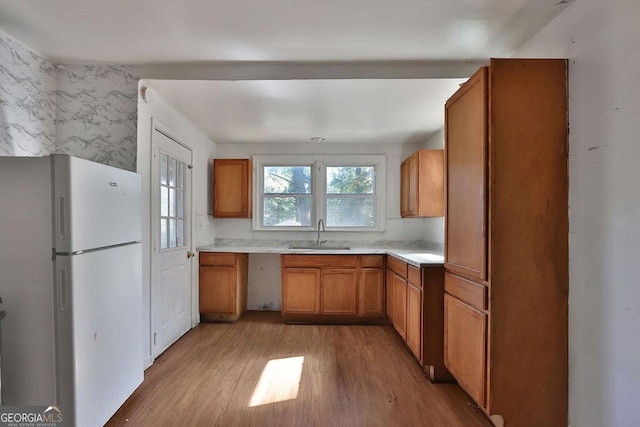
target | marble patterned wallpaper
[
  {"x": 96, "y": 113},
  {"x": 27, "y": 101},
  {"x": 89, "y": 111}
]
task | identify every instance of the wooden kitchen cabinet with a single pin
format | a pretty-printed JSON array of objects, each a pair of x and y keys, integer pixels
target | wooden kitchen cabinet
[
  {"x": 414, "y": 320},
  {"x": 339, "y": 291},
  {"x": 506, "y": 257},
  {"x": 417, "y": 313},
  {"x": 301, "y": 291},
  {"x": 466, "y": 248},
  {"x": 371, "y": 292},
  {"x": 223, "y": 286},
  {"x": 333, "y": 288},
  {"x": 422, "y": 184},
  {"x": 389, "y": 294},
  {"x": 400, "y": 305},
  {"x": 232, "y": 187},
  {"x": 465, "y": 353}
]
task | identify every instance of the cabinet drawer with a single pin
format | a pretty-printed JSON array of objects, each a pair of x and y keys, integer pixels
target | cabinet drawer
[
  {"x": 337, "y": 261},
  {"x": 415, "y": 276},
  {"x": 397, "y": 266},
  {"x": 473, "y": 294},
  {"x": 372, "y": 261},
  {"x": 218, "y": 258}
]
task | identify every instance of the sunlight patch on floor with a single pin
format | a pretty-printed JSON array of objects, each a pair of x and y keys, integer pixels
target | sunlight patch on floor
[{"x": 279, "y": 381}]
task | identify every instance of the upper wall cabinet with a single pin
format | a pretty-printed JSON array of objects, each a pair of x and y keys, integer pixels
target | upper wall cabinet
[
  {"x": 232, "y": 188},
  {"x": 422, "y": 184}
]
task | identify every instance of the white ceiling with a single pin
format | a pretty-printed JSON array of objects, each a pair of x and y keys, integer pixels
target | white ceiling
[
  {"x": 210, "y": 32},
  {"x": 161, "y": 31},
  {"x": 341, "y": 111}
]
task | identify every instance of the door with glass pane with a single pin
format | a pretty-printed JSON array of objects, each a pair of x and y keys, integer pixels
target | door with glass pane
[{"x": 171, "y": 231}]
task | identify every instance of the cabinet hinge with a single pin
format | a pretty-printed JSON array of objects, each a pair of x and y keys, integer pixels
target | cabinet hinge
[{"x": 154, "y": 338}]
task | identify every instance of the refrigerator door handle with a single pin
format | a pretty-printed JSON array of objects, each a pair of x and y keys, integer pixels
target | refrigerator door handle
[
  {"x": 62, "y": 290},
  {"x": 61, "y": 218}
]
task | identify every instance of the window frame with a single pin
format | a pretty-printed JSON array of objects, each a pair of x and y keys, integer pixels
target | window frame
[{"x": 318, "y": 164}]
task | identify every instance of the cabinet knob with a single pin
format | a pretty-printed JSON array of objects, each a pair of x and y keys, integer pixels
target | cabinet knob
[{"x": 190, "y": 254}]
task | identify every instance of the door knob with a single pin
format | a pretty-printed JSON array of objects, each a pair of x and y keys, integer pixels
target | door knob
[{"x": 190, "y": 254}]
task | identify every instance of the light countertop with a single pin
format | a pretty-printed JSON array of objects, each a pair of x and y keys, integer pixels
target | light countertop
[{"x": 416, "y": 253}]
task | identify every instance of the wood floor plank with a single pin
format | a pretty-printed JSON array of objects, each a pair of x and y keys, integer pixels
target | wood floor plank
[{"x": 350, "y": 376}]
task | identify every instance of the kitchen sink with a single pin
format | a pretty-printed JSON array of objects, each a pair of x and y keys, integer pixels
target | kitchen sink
[{"x": 322, "y": 248}]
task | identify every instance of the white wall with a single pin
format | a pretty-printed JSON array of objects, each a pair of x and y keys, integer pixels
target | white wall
[
  {"x": 203, "y": 228},
  {"x": 602, "y": 40},
  {"x": 264, "y": 270},
  {"x": 397, "y": 228}
]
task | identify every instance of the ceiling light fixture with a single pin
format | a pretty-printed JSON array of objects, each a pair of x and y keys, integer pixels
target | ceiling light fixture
[{"x": 317, "y": 139}]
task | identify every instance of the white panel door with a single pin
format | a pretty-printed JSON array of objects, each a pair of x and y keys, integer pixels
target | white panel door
[{"x": 171, "y": 231}]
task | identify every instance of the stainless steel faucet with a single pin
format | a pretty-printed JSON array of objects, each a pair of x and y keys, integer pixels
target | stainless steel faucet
[{"x": 320, "y": 222}]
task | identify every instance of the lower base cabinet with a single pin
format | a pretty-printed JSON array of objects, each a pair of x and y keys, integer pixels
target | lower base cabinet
[
  {"x": 371, "y": 292},
  {"x": 415, "y": 305},
  {"x": 414, "y": 320},
  {"x": 465, "y": 346},
  {"x": 222, "y": 286},
  {"x": 339, "y": 292},
  {"x": 400, "y": 305},
  {"x": 333, "y": 288},
  {"x": 301, "y": 291}
]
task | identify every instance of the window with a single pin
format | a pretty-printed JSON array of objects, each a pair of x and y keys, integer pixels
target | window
[
  {"x": 294, "y": 192},
  {"x": 287, "y": 196},
  {"x": 350, "y": 196}
]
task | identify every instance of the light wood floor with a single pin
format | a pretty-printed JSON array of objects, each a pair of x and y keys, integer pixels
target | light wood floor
[{"x": 351, "y": 376}]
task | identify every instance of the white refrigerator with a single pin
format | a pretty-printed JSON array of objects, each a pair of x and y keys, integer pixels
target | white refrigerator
[{"x": 71, "y": 286}]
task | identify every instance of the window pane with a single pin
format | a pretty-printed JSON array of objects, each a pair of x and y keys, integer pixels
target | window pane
[
  {"x": 172, "y": 233},
  {"x": 180, "y": 181},
  {"x": 287, "y": 211},
  {"x": 172, "y": 202},
  {"x": 172, "y": 171},
  {"x": 180, "y": 230},
  {"x": 163, "y": 234},
  {"x": 180, "y": 204},
  {"x": 163, "y": 169},
  {"x": 351, "y": 211},
  {"x": 287, "y": 179},
  {"x": 350, "y": 179},
  {"x": 164, "y": 201}
]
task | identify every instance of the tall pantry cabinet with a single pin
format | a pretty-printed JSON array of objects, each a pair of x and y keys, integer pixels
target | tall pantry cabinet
[{"x": 506, "y": 256}]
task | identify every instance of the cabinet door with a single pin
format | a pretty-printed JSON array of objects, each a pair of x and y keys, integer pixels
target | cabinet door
[
  {"x": 339, "y": 291},
  {"x": 465, "y": 335},
  {"x": 232, "y": 188},
  {"x": 217, "y": 289},
  {"x": 390, "y": 292},
  {"x": 466, "y": 154},
  {"x": 301, "y": 291},
  {"x": 371, "y": 295},
  {"x": 414, "y": 321},
  {"x": 400, "y": 305}
]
